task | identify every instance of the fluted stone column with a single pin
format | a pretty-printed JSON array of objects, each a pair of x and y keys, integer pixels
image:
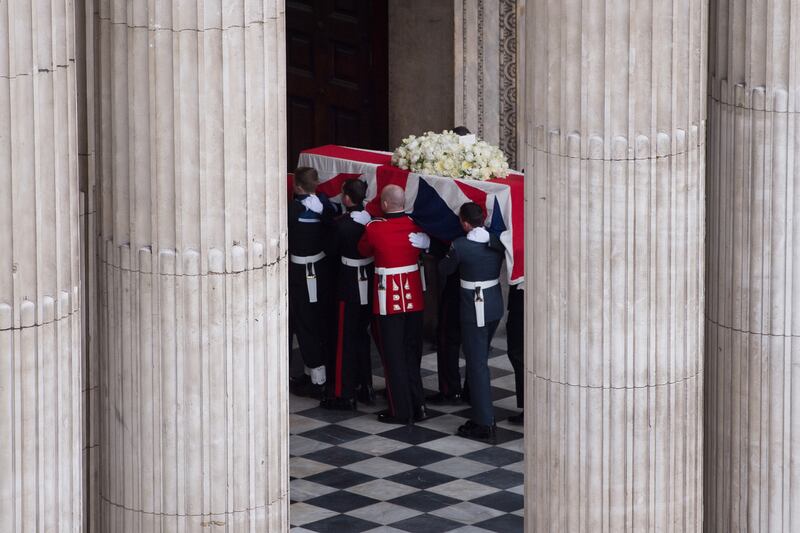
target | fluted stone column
[
  {"x": 40, "y": 322},
  {"x": 87, "y": 175},
  {"x": 615, "y": 106},
  {"x": 193, "y": 279},
  {"x": 753, "y": 305}
]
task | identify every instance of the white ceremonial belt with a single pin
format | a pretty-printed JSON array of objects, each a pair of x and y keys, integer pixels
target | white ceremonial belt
[
  {"x": 361, "y": 275},
  {"x": 479, "y": 287},
  {"x": 311, "y": 273},
  {"x": 306, "y": 259},
  {"x": 382, "y": 272},
  {"x": 348, "y": 261},
  {"x": 471, "y": 285}
]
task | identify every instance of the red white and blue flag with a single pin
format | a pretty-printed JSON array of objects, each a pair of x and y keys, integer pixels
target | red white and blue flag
[{"x": 433, "y": 202}]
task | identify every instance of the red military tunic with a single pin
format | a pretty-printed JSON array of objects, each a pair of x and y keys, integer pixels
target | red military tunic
[{"x": 401, "y": 282}]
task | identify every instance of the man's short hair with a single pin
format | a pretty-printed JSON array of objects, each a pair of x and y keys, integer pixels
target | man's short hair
[
  {"x": 393, "y": 196},
  {"x": 472, "y": 214},
  {"x": 461, "y": 130},
  {"x": 355, "y": 189},
  {"x": 306, "y": 178}
]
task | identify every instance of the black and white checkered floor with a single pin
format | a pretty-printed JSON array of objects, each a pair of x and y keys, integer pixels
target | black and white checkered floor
[{"x": 351, "y": 473}]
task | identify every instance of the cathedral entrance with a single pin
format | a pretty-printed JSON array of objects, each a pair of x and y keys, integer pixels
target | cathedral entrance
[{"x": 348, "y": 471}]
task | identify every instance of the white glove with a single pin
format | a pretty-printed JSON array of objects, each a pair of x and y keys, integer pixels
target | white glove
[
  {"x": 478, "y": 235},
  {"x": 312, "y": 203},
  {"x": 362, "y": 217},
  {"x": 419, "y": 240},
  {"x": 467, "y": 140}
]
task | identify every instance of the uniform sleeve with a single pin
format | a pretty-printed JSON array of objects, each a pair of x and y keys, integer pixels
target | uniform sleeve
[
  {"x": 334, "y": 240},
  {"x": 293, "y": 212},
  {"x": 329, "y": 210},
  {"x": 449, "y": 262},
  {"x": 365, "y": 247},
  {"x": 496, "y": 244},
  {"x": 438, "y": 248}
]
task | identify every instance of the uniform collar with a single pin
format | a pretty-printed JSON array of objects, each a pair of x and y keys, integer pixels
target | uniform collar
[{"x": 398, "y": 214}]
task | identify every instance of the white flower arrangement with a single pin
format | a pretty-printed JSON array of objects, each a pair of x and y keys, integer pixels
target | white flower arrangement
[{"x": 447, "y": 154}]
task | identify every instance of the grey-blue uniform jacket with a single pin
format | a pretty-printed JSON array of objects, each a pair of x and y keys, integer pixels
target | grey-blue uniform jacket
[{"x": 477, "y": 262}]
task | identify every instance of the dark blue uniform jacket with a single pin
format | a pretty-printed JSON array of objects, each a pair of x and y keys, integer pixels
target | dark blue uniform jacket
[{"x": 477, "y": 262}]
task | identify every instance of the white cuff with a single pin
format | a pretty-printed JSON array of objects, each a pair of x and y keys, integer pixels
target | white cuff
[{"x": 318, "y": 375}]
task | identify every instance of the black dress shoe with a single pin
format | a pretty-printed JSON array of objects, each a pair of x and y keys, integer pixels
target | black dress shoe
[
  {"x": 444, "y": 399},
  {"x": 338, "y": 404},
  {"x": 299, "y": 380},
  {"x": 517, "y": 420},
  {"x": 387, "y": 418},
  {"x": 474, "y": 431},
  {"x": 306, "y": 389},
  {"x": 366, "y": 395}
]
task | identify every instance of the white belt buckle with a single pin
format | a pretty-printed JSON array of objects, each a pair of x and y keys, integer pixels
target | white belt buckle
[
  {"x": 478, "y": 288},
  {"x": 382, "y": 294},
  {"x": 311, "y": 283},
  {"x": 363, "y": 284},
  {"x": 479, "y": 313}
]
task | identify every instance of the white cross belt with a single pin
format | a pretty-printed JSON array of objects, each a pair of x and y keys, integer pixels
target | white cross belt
[
  {"x": 311, "y": 273},
  {"x": 478, "y": 287}
]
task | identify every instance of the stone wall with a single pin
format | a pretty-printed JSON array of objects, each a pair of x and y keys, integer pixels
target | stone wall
[
  {"x": 420, "y": 68},
  {"x": 485, "y": 47}
]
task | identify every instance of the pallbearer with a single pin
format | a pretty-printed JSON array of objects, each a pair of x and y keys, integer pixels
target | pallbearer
[
  {"x": 310, "y": 227},
  {"x": 479, "y": 259},
  {"x": 351, "y": 368},
  {"x": 448, "y": 334},
  {"x": 515, "y": 330},
  {"x": 448, "y": 326},
  {"x": 396, "y": 242}
]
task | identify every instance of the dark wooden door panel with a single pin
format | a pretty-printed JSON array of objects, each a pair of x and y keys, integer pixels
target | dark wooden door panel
[
  {"x": 301, "y": 131},
  {"x": 336, "y": 52}
]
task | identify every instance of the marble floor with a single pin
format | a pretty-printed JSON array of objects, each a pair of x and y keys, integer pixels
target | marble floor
[{"x": 351, "y": 473}]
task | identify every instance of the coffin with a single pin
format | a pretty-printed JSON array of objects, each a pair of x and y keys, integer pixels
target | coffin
[{"x": 433, "y": 201}]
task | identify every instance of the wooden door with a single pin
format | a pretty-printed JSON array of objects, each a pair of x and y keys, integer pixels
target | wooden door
[{"x": 336, "y": 67}]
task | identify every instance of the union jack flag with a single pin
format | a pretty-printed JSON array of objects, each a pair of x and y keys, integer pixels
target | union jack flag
[{"x": 433, "y": 202}]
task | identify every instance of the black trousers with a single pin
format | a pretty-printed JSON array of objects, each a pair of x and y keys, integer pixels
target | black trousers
[
  {"x": 448, "y": 333},
  {"x": 400, "y": 342},
  {"x": 309, "y": 321},
  {"x": 515, "y": 331},
  {"x": 351, "y": 362}
]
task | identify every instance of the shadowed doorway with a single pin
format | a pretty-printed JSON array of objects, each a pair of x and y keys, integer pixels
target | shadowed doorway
[{"x": 336, "y": 74}]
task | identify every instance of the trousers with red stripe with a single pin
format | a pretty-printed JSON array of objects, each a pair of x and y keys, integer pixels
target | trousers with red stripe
[
  {"x": 351, "y": 365},
  {"x": 401, "y": 349}
]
